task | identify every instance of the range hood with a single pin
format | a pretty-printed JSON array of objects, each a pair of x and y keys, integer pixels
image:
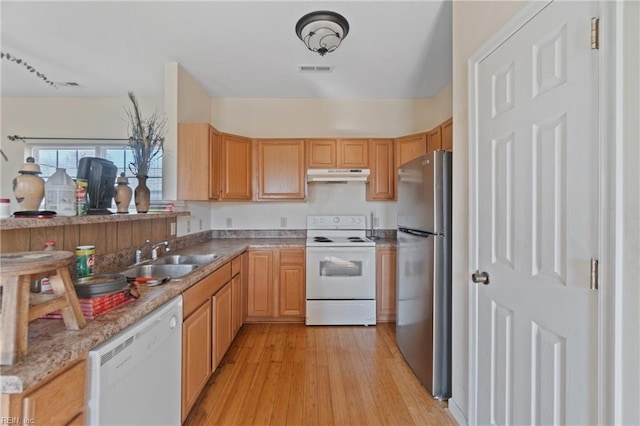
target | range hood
[{"x": 338, "y": 175}]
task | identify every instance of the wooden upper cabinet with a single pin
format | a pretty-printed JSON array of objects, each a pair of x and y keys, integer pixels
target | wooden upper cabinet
[
  {"x": 281, "y": 169},
  {"x": 215, "y": 155},
  {"x": 235, "y": 167},
  {"x": 338, "y": 153},
  {"x": 323, "y": 154},
  {"x": 434, "y": 139},
  {"x": 447, "y": 134},
  {"x": 193, "y": 161},
  {"x": 410, "y": 147},
  {"x": 353, "y": 153},
  {"x": 381, "y": 185}
]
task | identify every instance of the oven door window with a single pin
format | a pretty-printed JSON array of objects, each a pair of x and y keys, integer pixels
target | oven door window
[
  {"x": 341, "y": 273},
  {"x": 333, "y": 266}
]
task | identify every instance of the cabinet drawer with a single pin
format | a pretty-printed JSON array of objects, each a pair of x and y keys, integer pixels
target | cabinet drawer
[
  {"x": 236, "y": 266},
  {"x": 60, "y": 400},
  {"x": 294, "y": 256},
  {"x": 195, "y": 296}
]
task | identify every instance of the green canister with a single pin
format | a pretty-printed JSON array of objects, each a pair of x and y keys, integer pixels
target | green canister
[{"x": 85, "y": 260}]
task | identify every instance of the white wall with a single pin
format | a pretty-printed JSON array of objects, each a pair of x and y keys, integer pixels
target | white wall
[
  {"x": 473, "y": 23},
  {"x": 329, "y": 117},
  {"x": 60, "y": 118},
  {"x": 187, "y": 102},
  {"x": 322, "y": 199}
]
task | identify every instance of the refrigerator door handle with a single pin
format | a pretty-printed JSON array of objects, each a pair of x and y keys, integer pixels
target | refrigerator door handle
[{"x": 416, "y": 232}]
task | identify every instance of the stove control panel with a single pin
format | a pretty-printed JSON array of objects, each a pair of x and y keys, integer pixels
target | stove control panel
[{"x": 336, "y": 222}]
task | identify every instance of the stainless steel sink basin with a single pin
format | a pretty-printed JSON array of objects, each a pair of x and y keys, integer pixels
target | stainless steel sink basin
[
  {"x": 187, "y": 259},
  {"x": 159, "y": 271}
]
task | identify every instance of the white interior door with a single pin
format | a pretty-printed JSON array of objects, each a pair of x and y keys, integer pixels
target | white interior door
[{"x": 535, "y": 223}]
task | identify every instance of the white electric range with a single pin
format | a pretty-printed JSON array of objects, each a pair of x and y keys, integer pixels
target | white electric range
[{"x": 341, "y": 271}]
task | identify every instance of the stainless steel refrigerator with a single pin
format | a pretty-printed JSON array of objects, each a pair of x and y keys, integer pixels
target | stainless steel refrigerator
[{"x": 423, "y": 316}]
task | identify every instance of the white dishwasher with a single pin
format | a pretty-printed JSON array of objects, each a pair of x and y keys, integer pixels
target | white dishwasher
[{"x": 134, "y": 377}]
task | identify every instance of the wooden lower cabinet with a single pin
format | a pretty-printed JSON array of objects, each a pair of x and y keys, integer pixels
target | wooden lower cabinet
[
  {"x": 196, "y": 355},
  {"x": 60, "y": 400},
  {"x": 292, "y": 283},
  {"x": 222, "y": 304},
  {"x": 260, "y": 286},
  {"x": 386, "y": 284},
  {"x": 208, "y": 327},
  {"x": 46, "y": 404},
  {"x": 244, "y": 285},
  {"x": 276, "y": 287}
]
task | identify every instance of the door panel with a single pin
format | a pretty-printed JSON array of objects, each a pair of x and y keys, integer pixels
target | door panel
[{"x": 537, "y": 225}]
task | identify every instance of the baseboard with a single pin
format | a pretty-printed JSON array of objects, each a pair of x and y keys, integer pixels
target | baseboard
[{"x": 457, "y": 414}]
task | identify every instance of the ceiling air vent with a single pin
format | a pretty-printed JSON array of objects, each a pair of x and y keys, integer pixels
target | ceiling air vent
[{"x": 315, "y": 68}]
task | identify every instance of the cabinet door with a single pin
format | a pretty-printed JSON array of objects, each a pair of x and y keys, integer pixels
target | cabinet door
[
  {"x": 236, "y": 300},
  {"x": 292, "y": 283},
  {"x": 244, "y": 279},
  {"x": 281, "y": 169},
  {"x": 410, "y": 147},
  {"x": 59, "y": 401},
  {"x": 353, "y": 153},
  {"x": 447, "y": 134},
  {"x": 323, "y": 154},
  {"x": 434, "y": 139},
  {"x": 222, "y": 323},
  {"x": 382, "y": 177},
  {"x": 196, "y": 355},
  {"x": 215, "y": 163},
  {"x": 193, "y": 161},
  {"x": 386, "y": 284},
  {"x": 260, "y": 295},
  {"x": 236, "y": 167}
]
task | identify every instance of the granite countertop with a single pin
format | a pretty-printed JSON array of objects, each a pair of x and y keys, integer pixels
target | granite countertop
[{"x": 51, "y": 346}]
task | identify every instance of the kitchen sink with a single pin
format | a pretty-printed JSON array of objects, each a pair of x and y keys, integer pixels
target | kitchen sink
[
  {"x": 159, "y": 271},
  {"x": 187, "y": 259}
]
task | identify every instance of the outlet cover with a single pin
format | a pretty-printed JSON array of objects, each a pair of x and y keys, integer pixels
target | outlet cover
[
  {"x": 229, "y": 222},
  {"x": 283, "y": 222}
]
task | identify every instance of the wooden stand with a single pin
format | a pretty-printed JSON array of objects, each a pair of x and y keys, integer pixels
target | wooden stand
[{"x": 16, "y": 272}]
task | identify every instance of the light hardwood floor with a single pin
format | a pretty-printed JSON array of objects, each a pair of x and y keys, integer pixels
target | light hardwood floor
[{"x": 290, "y": 374}]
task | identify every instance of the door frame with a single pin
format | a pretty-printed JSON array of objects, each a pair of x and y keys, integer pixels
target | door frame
[{"x": 607, "y": 126}]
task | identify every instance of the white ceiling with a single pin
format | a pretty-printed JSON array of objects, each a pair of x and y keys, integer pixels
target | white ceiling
[{"x": 234, "y": 49}]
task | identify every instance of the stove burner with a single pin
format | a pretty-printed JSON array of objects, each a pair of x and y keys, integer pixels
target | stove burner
[
  {"x": 356, "y": 239},
  {"x": 322, "y": 240}
]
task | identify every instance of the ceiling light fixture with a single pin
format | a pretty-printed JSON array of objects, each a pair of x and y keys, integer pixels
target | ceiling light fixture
[{"x": 322, "y": 31}]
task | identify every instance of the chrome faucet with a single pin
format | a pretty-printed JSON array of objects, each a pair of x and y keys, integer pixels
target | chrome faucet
[{"x": 154, "y": 250}]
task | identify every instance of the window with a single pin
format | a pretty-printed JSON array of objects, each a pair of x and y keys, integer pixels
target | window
[{"x": 67, "y": 156}]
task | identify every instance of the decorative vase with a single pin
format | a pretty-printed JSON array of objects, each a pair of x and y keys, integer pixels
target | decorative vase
[
  {"x": 28, "y": 187},
  {"x": 142, "y": 195},
  {"x": 123, "y": 194}
]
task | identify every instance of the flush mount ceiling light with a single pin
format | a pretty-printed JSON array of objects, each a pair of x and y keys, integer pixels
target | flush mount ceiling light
[{"x": 322, "y": 31}]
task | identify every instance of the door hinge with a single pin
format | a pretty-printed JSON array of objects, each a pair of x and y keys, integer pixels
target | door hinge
[
  {"x": 595, "y": 33},
  {"x": 594, "y": 273}
]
